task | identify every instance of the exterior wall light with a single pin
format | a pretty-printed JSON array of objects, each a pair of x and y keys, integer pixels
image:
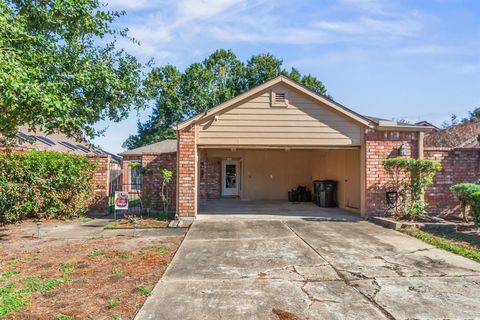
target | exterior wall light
[{"x": 402, "y": 151}]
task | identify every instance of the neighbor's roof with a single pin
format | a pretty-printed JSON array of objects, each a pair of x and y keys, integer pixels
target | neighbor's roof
[
  {"x": 39, "y": 140},
  {"x": 165, "y": 146},
  {"x": 464, "y": 135},
  {"x": 370, "y": 122}
]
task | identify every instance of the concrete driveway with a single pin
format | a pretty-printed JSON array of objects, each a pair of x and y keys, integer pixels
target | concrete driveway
[{"x": 299, "y": 269}]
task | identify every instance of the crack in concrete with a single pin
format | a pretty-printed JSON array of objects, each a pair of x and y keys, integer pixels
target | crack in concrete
[{"x": 385, "y": 312}]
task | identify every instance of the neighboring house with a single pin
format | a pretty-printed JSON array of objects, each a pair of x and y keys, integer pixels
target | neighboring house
[
  {"x": 145, "y": 178},
  {"x": 465, "y": 135},
  {"x": 458, "y": 149},
  {"x": 108, "y": 164},
  {"x": 427, "y": 124},
  {"x": 272, "y": 138}
]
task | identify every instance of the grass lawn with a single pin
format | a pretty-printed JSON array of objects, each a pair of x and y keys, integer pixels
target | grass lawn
[
  {"x": 464, "y": 245},
  {"x": 105, "y": 278}
]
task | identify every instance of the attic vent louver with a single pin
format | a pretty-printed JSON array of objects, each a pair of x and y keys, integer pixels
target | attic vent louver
[{"x": 279, "y": 98}]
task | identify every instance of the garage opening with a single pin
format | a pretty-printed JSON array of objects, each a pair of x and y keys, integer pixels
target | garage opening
[{"x": 263, "y": 177}]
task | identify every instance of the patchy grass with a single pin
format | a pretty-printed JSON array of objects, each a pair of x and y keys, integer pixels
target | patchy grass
[
  {"x": 442, "y": 242},
  {"x": 97, "y": 253},
  {"x": 113, "y": 303},
  {"x": 11, "y": 263},
  {"x": 124, "y": 255},
  {"x": 143, "y": 292},
  {"x": 147, "y": 223},
  {"x": 8, "y": 274},
  {"x": 109, "y": 278},
  {"x": 160, "y": 249}
]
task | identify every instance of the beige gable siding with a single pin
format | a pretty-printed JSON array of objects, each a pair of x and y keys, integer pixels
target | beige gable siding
[{"x": 303, "y": 123}]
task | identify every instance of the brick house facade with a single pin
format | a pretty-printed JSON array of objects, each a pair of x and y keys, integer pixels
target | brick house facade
[{"x": 274, "y": 148}]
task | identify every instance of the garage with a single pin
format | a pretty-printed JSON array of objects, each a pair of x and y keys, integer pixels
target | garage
[{"x": 269, "y": 174}]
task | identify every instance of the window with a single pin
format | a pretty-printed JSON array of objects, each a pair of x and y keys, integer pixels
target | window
[
  {"x": 279, "y": 98},
  {"x": 135, "y": 175}
]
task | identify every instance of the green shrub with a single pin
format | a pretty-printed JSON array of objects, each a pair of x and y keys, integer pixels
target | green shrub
[
  {"x": 44, "y": 184},
  {"x": 465, "y": 194},
  {"x": 475, "y": 203},
  {"x": 410, "y": 178}
]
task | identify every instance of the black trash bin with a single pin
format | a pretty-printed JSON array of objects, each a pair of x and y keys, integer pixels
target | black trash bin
[{"x": 325, "y": 193}]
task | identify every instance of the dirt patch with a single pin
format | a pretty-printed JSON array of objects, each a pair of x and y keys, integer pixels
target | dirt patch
[
  {"x": 285, "y": 315},
  {"x": 142, "y": 224},
  {"x": 82, "y": 279}
]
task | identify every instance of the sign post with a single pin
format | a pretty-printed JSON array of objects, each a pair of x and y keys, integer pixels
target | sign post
[{"x": 121, "y": 202}]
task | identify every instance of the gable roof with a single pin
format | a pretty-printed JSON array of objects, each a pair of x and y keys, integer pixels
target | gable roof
[
  {"x": 164, "y": 146},
  {"x": 369, "y": 122},
  {"x": 39, "y": 140},
  {"x": 279, "y": 80},
  {"x": 464, "y": 135}
]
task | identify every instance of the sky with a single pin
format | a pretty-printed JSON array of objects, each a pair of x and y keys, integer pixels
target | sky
[{"x": 396, "y": 59}]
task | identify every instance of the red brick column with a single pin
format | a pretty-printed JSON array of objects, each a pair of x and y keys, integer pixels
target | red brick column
[
  {"x": 101, "y": 183},
  {"x": 187, "y": 173},
  {"x": 381, "y": 145}
]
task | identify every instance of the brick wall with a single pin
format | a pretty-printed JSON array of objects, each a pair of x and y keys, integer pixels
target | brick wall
[
  {"x": 101, "y": 182},
  {"x": 380, "y": 145},
  {"x": 187, "y": 180},
  {"x": 459, "y": 165},
  {"x": 152, "y": 179},
  {"x": 210, "y": 178}
]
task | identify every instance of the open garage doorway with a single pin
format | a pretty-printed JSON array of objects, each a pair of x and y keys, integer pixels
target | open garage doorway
[{"x": 265, "y": 176}]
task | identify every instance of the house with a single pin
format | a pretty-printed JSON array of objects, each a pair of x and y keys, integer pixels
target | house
[
  {"x": 457, "y": 148},
  {"x": 108, "y": 165},
  {"x": 465, "y": 135},
  {"x": 272, "y": 138},
  {"x": 141, "y": 171},
  {"x": 427, "y": 124}
]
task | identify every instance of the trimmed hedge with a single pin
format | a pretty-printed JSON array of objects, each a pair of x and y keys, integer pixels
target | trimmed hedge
[{"x": 44, "y": 184}]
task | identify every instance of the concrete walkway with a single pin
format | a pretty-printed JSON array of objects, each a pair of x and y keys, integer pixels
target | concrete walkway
[
  {"x": 94, "y": 228},
  {"x": 259, "y": 269}
]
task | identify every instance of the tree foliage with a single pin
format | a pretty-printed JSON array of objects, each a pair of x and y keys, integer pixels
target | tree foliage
[
  {"x": 411, "y": 177},
  {"x": 60, "y": 69},
  {"x": 220, "y": 77}
]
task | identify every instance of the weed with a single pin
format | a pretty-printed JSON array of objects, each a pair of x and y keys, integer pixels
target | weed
[
  {"x": 125, "y": 255},
  {"x": 9, "y": 274},
  {"x": 112, "y": 303},
  {"x": 160, "y": 249},
  {"x": 117, "y": 273},
  {"x": 144, "y": 292},
  {"x": 97, "y": 253},
  {"x": 42, "y": 286},
  {"x": 63, "y": 317},
  {"x": 12, "y": 262},
  {"x": 66, "y": 267},
  {"x": 115, "y": 318}
]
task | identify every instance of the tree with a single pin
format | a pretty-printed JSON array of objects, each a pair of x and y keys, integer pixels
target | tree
[
  {"x": 218, "y": 78},
  {"x": 475, "y": 115},
  {"x": 60, "y": 69}
]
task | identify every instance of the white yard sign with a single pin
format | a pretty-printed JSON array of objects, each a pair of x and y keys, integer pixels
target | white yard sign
[{"x": 121, "y": 200}]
